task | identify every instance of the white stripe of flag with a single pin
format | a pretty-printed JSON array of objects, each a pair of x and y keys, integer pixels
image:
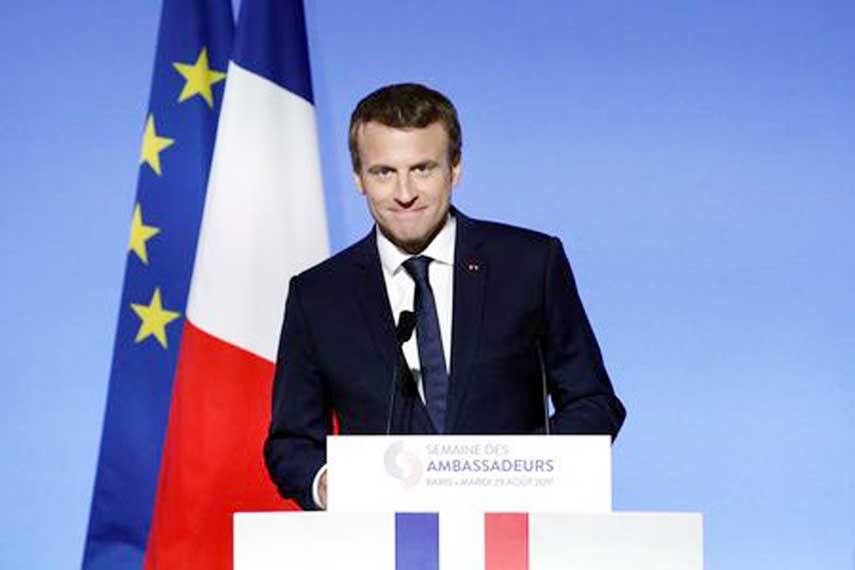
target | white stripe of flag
[{"x": 264, "y": 218}]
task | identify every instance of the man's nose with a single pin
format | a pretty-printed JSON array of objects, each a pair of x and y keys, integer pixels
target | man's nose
[{"x": 405, "y": 192}]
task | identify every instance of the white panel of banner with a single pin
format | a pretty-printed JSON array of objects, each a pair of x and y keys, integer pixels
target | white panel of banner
[
  {"x": 273, "y": 541},
  {"x": 461, "y": 540},
  {"x": 617, "y": 541},
  {"x": 559, "y": 473}
]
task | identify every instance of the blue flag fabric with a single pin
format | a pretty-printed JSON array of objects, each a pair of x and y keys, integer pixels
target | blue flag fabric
[
  {"x": 277, "y": 48},
  {"x": 193, "y": 49}
]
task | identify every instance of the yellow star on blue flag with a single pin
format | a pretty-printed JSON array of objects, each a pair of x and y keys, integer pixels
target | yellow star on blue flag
[
  {"x": 154, "y": 319},
  {"x": 152, "y": 145},
  {"x": 140, "y": 234},
  {"x": 198, "y": 79}
]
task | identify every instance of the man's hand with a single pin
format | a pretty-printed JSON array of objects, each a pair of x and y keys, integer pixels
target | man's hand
[{"x": 322, "y": 490}]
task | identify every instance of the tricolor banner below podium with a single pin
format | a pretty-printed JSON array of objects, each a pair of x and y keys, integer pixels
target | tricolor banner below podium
[
  {"x": 469, "y": 502},
  {"x": 509, "y": 541}
]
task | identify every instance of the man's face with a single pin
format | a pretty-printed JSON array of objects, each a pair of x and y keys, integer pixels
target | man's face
[{"x": 406, "y": 176}]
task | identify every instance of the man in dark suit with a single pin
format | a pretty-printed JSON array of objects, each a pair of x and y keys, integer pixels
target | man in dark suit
[{"x": 496, "y": 309}]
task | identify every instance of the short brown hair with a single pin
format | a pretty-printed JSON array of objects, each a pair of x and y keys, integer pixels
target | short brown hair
[{"x": 404, "y": 106}]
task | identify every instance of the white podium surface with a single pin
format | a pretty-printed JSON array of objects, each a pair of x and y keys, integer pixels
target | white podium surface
[
  {"x": 581, "y": 541},
  {"x": 481, "y": 473}
]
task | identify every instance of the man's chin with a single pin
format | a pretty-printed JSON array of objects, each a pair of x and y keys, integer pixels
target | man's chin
[
  {"x": 410, "y": 244},
  {"x": 413, "y": 241}
]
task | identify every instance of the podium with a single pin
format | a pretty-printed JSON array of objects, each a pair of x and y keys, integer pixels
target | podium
[{"x": 469, "y": 502}]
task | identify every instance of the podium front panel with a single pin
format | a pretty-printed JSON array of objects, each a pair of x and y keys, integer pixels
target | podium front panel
[{"x": 482, "y": 473}]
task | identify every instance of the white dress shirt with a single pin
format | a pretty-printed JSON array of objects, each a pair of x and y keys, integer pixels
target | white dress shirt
[{"x": 401, "y": 290}]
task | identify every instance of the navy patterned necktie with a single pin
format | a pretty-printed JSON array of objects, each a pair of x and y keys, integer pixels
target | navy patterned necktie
[{"x": 431, "y": 355}]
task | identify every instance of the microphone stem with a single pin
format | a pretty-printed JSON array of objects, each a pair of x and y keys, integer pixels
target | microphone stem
[
  {"x": 394, "y": 389},
  {"x": 545, "y": 391}
]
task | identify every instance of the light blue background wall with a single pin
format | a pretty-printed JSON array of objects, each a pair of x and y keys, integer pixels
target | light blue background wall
[{"x": 696, "y": 159}]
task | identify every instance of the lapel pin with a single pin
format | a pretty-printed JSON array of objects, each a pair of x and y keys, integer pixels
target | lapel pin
[{"x": 473, "y": 267}]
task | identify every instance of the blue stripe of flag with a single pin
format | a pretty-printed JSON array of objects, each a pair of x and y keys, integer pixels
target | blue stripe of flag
[
  {"x": 416, "y": 541},
  {"x": 280, "y": 53}
]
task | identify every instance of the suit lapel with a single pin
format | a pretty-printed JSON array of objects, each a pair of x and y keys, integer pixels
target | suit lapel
[
  {"x": 374, "y": 301},
  {"x": 470, "y": 277}
]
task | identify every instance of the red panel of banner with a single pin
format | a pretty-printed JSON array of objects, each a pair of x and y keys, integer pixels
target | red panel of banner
[{"x": 506, "y": 541}]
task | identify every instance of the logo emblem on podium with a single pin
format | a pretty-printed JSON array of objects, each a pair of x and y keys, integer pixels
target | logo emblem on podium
[{"x": 403, "y": 465}]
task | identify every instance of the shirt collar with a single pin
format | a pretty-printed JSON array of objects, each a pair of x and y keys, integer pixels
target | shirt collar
[{"x": 440, "y": 249}]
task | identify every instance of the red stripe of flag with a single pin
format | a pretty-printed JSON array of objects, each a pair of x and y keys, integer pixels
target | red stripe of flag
[
  {"x": 506, "y": 541},
  {"x": 212, "y": 459}
]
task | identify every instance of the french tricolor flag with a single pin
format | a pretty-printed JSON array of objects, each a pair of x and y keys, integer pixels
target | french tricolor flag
[
  {"x": 263, "y": 222},
  {"x": 189, "y": 400}
]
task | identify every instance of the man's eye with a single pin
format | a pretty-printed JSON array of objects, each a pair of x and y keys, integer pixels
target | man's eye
[{"x": 423, "y": 170}]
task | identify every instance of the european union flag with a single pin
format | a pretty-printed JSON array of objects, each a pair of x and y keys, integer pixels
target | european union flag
[{"x": 194, "y": 45}]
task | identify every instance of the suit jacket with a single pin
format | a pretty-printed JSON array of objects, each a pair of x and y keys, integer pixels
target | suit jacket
[{"x": 513, "y": 290}]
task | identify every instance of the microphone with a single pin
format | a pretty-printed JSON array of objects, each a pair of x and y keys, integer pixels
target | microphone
[
  {"x": 403, "y": 332},
  {"x": 406, "y": 326}
]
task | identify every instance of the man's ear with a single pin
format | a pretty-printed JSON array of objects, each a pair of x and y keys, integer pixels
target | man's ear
[
  {"x": 456, "y": 172},
  {"x": 357, "y": 181}
]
